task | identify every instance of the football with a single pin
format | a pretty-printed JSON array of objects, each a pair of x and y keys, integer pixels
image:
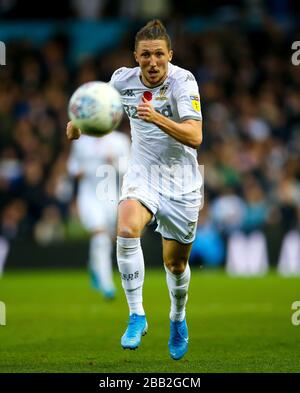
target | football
[{"x": 95, "y": 108}]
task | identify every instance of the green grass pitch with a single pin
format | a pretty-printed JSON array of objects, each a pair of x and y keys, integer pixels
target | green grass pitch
[{"x": 56, "y": 323}]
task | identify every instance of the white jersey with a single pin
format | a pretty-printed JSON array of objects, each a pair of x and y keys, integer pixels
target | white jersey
[
  {"x": 89, "y": 153},
  {"x": 177, "y": 98}
]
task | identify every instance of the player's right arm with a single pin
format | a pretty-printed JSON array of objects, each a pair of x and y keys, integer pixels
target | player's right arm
[{"x": 72, "y": 132}]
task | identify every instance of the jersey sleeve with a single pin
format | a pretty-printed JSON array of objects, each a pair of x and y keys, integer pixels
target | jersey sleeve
[
  {"x": 116, "y": 77},
  {"x": 186, "y": 94}
]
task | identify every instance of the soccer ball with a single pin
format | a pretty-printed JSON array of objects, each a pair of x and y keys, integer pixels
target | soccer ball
[{"x": 95, "y": 108}]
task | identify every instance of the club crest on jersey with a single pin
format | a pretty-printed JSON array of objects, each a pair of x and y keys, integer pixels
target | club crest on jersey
[
  {"x": 162, "y": 92},
  {"x": 195, "y": 99}
]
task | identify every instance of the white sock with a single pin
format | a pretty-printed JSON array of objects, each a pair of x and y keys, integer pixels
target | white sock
[
  {"x": 101, "y": 261},
  {"x": 131, "y": 266},
  {"x": 178, "y": 289}
]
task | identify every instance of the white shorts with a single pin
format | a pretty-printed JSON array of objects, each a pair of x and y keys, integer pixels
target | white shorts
[
  {"x": 176, "y": 218},
  {"x": 96, "y": 214}
]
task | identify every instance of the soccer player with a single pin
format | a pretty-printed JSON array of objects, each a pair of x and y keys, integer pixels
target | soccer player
[
  {"x": 98, "y": 213},
  {"x": 163, "y": 181}
]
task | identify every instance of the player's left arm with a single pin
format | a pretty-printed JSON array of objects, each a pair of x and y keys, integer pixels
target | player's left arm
[{"x": 188, "y": 132}]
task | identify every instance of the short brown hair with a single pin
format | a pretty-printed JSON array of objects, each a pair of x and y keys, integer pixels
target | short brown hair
[{"x": 153, "y": 30}]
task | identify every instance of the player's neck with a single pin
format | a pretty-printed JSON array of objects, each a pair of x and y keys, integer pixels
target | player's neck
[{"x": 150, "y": 85}]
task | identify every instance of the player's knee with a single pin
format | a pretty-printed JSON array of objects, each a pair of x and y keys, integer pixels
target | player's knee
[
  {"x": 176, "y": 266},
  {"x": 129, "y": 231}
]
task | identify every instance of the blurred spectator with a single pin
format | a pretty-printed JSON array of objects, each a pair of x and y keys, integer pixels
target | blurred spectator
[
  {"x": 209, "y": 247},
  {"x": 144, "y": 9},
  {"x": 289, "y": 259},
  {"x": 49, "y": 228},
  {"x": 257, "y": 208},
  {"x": 11, "y": 170},
  {"x": 228, "y": 212},
  {"x": 89, "y": 10},
  {"x": 14, "y": 219},
  {"x": 247, "y": 254}
]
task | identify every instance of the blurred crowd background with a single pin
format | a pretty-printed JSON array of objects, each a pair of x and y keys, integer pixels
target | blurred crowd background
[{"x": 240, "y": 54}]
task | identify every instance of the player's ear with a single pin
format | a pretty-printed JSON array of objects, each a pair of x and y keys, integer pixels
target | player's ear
[
  {"x": 170, "y": 55},
  {"x": 135, "y": 56}
]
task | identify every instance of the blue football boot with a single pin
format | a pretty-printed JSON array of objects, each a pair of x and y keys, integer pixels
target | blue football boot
[
  {"x": 179, "y": 339},
  {"x": 137, "y": 327}
]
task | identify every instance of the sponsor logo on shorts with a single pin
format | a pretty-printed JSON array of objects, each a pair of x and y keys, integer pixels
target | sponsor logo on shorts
[{"x": 191, "y": 228}]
